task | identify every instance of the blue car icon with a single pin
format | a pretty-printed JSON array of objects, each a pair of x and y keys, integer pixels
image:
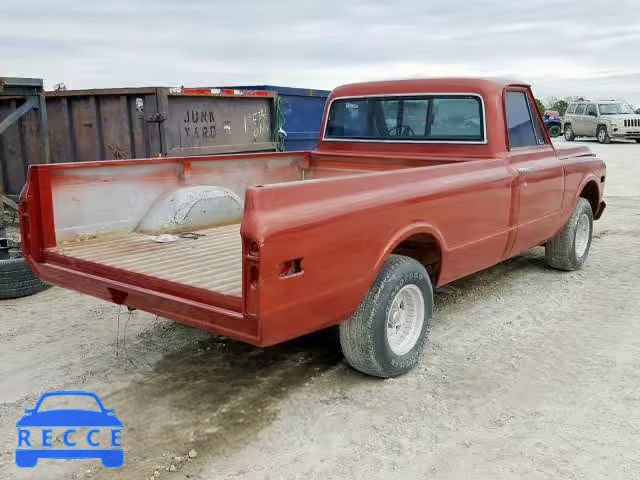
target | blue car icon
[{"x": 68, "y": 418}]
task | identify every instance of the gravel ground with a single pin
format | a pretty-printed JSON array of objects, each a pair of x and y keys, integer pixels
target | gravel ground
[{"x": 529, "y": 373}]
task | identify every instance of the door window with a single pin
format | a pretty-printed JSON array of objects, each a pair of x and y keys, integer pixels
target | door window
[
  {"x": 591, "y": 110},
  {"x": 580, "y": 109},
  {"x": 571, "y": 109},
  {"x": 524, "y": 128}
]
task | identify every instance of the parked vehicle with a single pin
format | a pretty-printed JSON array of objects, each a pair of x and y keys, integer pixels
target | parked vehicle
[
  {"x": 553, "y": 123},
  {"x": 414, "y": 184},
  {"x": 603, "y": 119}
]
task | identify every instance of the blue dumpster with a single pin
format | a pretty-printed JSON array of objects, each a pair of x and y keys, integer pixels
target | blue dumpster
[{"x": 302, "y": 110}]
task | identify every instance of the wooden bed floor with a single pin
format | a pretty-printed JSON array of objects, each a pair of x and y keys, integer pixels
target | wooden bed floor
[{"x": 212, "y": 262}]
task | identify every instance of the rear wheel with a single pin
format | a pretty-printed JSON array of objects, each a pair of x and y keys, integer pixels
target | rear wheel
[
  {"x": 603, "y": 135},
  {"x": 569, "y": 135},
  {"x": 569, "y": 249},
  {"x": 386, "y": 334}
]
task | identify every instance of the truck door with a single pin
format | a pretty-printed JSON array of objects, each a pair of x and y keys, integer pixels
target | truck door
[{"x": 540, "y": 181}]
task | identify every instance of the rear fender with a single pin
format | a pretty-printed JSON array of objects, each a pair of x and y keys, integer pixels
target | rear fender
[{"x": 403, "y": 234}]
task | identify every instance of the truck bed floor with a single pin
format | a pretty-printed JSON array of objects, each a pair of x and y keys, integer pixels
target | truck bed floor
[{"x": 212, "y": 261}]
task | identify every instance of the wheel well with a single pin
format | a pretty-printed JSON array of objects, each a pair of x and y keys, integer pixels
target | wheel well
[
  {"x": 591, "y": 193},
  {"x": 424, "y": 248}
]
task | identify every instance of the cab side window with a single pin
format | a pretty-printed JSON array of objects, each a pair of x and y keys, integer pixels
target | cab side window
[
  {"x": 580, "y": 109},
  {"x": 523, "y": 126},
  {"x": 591, "y": 110}
]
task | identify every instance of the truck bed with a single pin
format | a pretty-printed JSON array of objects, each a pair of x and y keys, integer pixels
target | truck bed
[
  {"x": 213, "y": 261},
  {"x": 91, "y": 227}
]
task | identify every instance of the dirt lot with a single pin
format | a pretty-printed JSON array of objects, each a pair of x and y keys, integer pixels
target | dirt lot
[{"x": 529, "y": 373}]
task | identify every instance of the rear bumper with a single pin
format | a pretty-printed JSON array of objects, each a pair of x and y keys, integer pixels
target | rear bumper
[{"x": 205, "y": 316}]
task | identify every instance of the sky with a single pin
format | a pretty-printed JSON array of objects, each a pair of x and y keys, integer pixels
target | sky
[{"x": 563, "y": 48}]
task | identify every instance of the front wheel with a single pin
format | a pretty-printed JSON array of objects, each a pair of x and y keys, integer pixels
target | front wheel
[
  {"x": 386, "y": 334},
  {"x": 569, "y": 135},
  {"x": 569, "y": 249},
  {"x": 603, "y": 135}
]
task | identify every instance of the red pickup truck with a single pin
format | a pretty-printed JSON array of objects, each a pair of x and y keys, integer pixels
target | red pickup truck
[{"x": 414, "y": 184}]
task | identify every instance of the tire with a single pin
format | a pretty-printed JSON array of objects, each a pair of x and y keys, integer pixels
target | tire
[
  {"x": 401, "y": 294},
  {"x": 569, "y": 249},
  {"x": 555, "y": 131},
  {"x": 603, "y": 135},
  {"x": 17, "y": 280},
  {"x": 569, "y": 135}
]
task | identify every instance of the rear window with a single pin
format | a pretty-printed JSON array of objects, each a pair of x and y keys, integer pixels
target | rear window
[
  {"x": 572, "y": 108},
  {"x": 432, "y": 118},
  {"x": 580, "y": 109}
]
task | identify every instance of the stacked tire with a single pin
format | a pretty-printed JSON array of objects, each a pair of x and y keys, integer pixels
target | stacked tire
[{"x": 17, "y": 280}]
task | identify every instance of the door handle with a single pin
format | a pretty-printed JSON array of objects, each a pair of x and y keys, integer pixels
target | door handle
[{"x": 524, "y": 169}]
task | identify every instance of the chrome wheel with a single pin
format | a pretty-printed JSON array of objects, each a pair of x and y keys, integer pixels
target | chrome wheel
[
  {"x": 583, "y": 232},
  {"x": 405, "y": 319}
]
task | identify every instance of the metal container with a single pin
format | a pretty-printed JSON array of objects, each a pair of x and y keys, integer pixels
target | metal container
[
  {"x": 106, "y": 124},
  {"x": 23, "y": 114},
  {"x": 301, "y": 109}
]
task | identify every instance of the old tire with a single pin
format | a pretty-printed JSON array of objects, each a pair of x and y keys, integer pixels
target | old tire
[
  {"x": 569, "y": 135},
  {"x": 385, "y": 336},
  {"x": 555, "y": 131},
  {"x": 603, "y": 135},
  {"x": 569, "y": 249},
  {"x": 17, "y": 280}
]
